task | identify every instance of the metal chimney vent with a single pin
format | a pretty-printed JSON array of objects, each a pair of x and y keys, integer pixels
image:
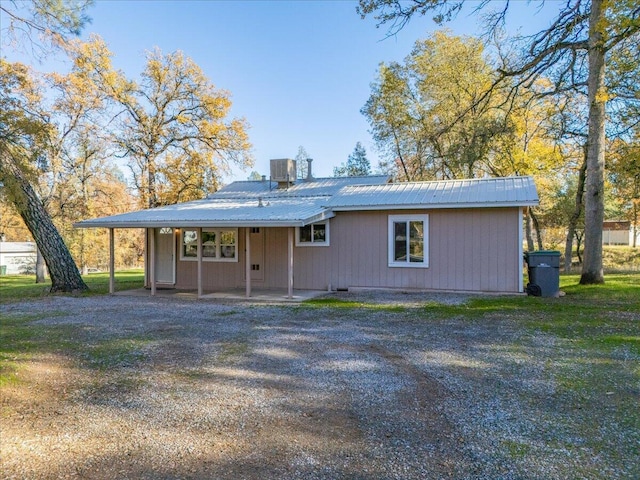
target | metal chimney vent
[{"x": 283, "y": 170}]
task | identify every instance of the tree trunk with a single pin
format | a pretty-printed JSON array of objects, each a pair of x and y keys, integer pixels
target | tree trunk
[
  {"x": 536, "y": 227},
  {"x": 573, "y": 221},
  {"x": 41, "y": 269},
  {"x": 594, "y": 205},
  {"x": 153, "y": 193},
  {"x": 529, "y": 231},
  {"x": 62, "y": 269},
  {"x": 634, "y": 229}
]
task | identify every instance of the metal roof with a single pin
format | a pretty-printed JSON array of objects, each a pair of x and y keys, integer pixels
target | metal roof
[
  {"x": 316, "y": 187},
  {"x": 289, "y": 212},
  {"x": 253, "y": 204},
  {"x": 473, "y": 193}
]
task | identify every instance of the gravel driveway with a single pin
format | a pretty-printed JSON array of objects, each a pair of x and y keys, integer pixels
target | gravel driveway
[{"x": 173, "y": 389}]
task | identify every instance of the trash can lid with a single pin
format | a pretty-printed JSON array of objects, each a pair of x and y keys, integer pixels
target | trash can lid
[{"x": 544, "y": 252}]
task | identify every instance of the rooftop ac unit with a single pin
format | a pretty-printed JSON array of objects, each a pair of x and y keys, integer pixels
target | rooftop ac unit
[{"x": 283, "y": 170}]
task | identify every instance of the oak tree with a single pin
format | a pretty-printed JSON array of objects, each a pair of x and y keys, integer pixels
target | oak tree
[
  {"x": 37, "y": 26},
  {"x": 25, "y": 143},
  {"x": 431, "y": 115},
  {"x": 172, "y": 125},
  {"x": 572, "y": 51}
]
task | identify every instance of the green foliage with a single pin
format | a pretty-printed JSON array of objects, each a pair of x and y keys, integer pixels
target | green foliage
[
  {"x": 34, "y": 25},
  {"x": 437, "y": 115},
  {"x": 357, "y": 164},
  {"x": 172, "y": 124}
]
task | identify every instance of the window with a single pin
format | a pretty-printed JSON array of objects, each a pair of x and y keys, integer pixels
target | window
[
  {"x": 409, "y": 241},
  {"x": 316, "y": 234},
  {"x": 218, "y": 245}
]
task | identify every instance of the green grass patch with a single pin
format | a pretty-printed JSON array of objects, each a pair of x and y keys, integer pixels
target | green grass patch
[
  {"x": 116, "y": 353},
  {"x": 338, "y": 303},
  {"x": 516, "y": 450},
  {"x": 21, "y": 341},
  {"x": 14, "y": 288}
]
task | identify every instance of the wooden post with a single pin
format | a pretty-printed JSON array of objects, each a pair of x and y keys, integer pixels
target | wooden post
[
  {"x": 247, "y": 267},
  {"x": 112, "y": 278},
  {"x": 152, "y": 260},
  {"x": 199, "y": 257},
  {"x": 290, "y": 264}
]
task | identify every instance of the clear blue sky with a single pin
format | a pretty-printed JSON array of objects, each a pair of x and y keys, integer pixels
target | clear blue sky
[{"x": 298, "y": 71}]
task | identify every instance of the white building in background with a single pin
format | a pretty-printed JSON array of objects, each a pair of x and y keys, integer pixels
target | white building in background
[
  {"x": 619, "y": 232},
  {"x": 17, "y": 258}
]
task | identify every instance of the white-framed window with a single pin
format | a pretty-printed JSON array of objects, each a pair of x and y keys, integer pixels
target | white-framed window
[
  {"x": 409, "y": 241},
  {"x": 313, "y": 235},
  {"x": 218, "y": 244}
]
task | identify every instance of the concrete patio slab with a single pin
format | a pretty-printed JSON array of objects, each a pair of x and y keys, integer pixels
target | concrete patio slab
[{"x": 257, "y": 295}]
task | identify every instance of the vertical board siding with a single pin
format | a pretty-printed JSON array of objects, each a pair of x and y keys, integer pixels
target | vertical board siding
[{"x": 469, "y": 250}]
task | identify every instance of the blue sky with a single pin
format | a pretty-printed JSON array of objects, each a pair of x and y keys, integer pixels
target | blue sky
[{"x": 298, "y": 71}]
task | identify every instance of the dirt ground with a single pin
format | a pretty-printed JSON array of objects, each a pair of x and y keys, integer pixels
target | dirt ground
[{"x": 174, "y": 389}]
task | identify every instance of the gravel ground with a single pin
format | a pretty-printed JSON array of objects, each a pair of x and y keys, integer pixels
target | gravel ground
[{"x": 174, "y": 389}]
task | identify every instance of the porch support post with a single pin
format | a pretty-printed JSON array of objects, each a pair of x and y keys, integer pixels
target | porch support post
[
  {"x": 199, "y": 257},
  {"x": 247, "y": 267},
  {"x": 152, "y": 260},
  {"x": 112, "y": 278},
  {"x": 520, "y": 260},
  {"x": 290, "y": 264}
]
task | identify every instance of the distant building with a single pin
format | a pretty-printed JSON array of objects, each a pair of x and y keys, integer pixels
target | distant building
[
  {"x": 17, "y": 258},
  {"x": 619, "y": 232}
]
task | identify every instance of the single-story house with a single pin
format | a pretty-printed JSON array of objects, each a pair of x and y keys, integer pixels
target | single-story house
[
  {"x": 338, "y": 233},
  {"x": 17, "y": 258}
]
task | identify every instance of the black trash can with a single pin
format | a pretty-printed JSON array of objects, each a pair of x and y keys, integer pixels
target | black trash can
[{"x": 544, "y": 273}]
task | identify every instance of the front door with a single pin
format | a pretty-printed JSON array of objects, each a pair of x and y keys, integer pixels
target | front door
[
  {"x": 165, "y": 255},
  {"x": 257, "y": 254}
]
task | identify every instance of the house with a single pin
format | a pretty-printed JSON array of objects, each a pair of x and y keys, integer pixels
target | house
[
  {"x": 338, "y": 233},
  {"x": 17, "y": 258}
]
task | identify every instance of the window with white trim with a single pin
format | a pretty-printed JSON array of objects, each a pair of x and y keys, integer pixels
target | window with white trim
[
  {"x": 409, "y": 241},
  {"x": 218, "y": 245},
  {"x": 313, "y": 235}
]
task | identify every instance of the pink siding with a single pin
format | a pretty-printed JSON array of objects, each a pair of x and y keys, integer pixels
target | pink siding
[
  {"x": 469, "y": 250},
  {"x": 221, "y": 275}
]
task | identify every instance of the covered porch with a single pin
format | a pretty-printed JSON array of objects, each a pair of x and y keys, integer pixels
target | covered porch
[{"x": 162, "y": 256}]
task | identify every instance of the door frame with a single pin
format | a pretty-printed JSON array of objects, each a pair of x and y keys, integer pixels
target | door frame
[{"x": 157, "y": 235}]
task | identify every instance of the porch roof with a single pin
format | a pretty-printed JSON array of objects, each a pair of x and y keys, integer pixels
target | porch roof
[{"x": 222, "y": 212}]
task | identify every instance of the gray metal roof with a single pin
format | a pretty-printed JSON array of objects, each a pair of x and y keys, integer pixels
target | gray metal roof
[
  {"x": 237, "y": 205},
  {"x": 472, "y": 193},
  {"x": 316, "y": 187},
  {"x": 289, "y": 212}
]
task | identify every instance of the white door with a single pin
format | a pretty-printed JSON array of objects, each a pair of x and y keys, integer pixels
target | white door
[{"x": 165, "y": 255}]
